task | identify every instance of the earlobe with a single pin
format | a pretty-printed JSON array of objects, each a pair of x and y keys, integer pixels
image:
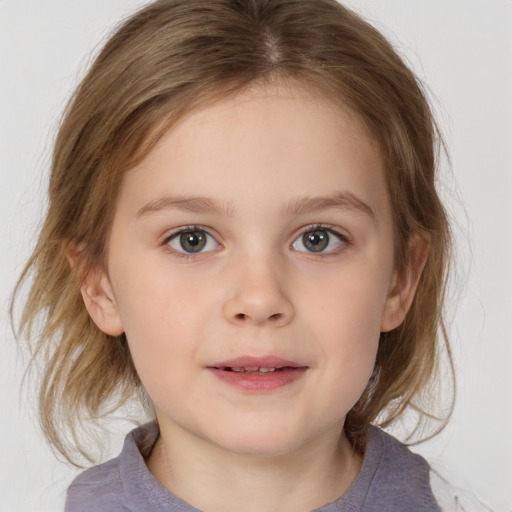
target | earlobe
[
  {"x": 404, "y": 283},
  {"x": 100, "y": 302},
  {"x": 96, "y": 292}
]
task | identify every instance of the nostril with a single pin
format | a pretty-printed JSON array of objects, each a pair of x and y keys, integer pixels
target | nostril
[
  {"x": 240, "y": 316},
  {"x": 275, "y": 317}
]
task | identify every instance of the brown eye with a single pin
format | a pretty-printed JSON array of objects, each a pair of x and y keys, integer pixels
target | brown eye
[
  {"x": 315, "y": 241},
  {"x": 319, "y": 240},
  {"x": 193, "y": 241}
]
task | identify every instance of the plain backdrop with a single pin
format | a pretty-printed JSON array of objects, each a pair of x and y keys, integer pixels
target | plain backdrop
[{"x": 462, "y": 49}]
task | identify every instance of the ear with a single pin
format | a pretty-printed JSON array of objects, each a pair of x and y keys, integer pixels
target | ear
[
  {"x": 97, "y": 293},
  {"x": 100, "y": 302},
  {"x": 404, "y": 282}
]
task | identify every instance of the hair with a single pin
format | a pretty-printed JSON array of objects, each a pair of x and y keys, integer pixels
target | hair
[{"x": 174, "y": 56}]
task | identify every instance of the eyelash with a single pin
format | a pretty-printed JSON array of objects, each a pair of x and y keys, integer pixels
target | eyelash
[
  {"x": 343, "y": 239},
  {"x": 183, "y": 254}
]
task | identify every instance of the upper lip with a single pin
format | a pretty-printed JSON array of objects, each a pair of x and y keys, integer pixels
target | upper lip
[{"x": 260, "y": 362}]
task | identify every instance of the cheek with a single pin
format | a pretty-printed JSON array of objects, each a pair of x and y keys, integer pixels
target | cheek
[
  {"x": 349, "y": 365},
  {"x": 346, "y": 317},
  {"x": 351, "y": 301},
  {"x": 160, "y": 326}
]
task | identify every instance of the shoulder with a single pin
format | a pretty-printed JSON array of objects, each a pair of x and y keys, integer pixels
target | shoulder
[
  {"x": 401, "y": 480},
  {"x": 112, "y": 486},
  {"x": 392, "y": 479},
  {"x": 402, "y": 476},
  {"x": 99, "y": 488}
]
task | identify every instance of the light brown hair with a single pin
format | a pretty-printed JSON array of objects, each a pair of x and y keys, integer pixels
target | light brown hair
[{"x": 174, "y": 56}]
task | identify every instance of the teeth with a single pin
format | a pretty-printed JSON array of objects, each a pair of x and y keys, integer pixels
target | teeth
[{"x": 252, "y": 369}]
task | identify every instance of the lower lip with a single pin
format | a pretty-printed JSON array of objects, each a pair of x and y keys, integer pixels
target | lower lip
[{"x": 260, "y": 382}]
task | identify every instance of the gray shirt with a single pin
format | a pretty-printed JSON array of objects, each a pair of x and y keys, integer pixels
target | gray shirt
[{"x": 392, "y": 479}]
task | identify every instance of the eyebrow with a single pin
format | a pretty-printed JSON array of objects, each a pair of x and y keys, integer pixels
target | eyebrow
[
  {"x": 187, "y": 204},
  {"x": 301, "y": 205},
  {"x": 339, "y": 200}
]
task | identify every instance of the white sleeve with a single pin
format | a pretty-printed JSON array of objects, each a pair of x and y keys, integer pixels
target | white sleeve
[{"x": 451, "y": 499}]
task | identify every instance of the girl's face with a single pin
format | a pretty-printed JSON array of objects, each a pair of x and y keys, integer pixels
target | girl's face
[{"x": 251, "y": 267}]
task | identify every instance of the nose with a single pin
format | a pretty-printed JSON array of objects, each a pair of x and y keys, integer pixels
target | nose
[{"x": 257, "y": 295}]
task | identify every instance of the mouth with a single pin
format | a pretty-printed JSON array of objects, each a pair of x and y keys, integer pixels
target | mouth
[
  {"x": 258, "y": 374},
  {"x": 254, "y": 369},
  {"x": 251, "y": 364}
]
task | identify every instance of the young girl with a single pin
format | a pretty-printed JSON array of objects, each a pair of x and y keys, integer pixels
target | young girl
[{"x": 243, "y": 229}]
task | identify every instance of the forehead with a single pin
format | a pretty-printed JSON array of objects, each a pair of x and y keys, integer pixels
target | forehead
[{"x": 279, "y": 140}]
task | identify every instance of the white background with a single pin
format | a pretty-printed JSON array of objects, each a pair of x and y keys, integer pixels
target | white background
[{"x": 461, "y": 48}]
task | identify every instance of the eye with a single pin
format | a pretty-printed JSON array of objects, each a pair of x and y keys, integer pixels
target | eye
[
  {"x": 319, "y": 240},
  {"x": 192, "y": 241}
]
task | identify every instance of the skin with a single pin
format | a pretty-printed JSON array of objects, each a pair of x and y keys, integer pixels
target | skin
[{"x": 262, "y": 158}]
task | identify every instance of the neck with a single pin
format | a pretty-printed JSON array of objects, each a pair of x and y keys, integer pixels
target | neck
[{"x": 308, "y": 478}]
